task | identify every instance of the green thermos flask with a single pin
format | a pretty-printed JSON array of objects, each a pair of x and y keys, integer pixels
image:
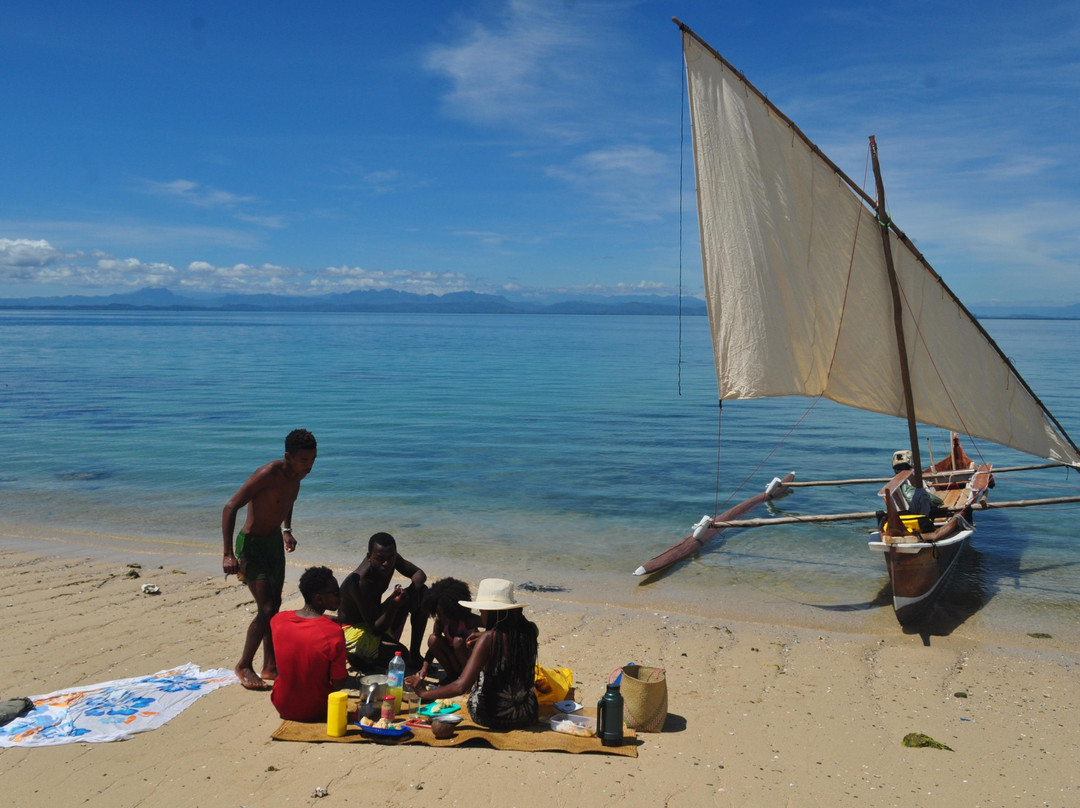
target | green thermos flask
[{"x": 609, "y": 717}]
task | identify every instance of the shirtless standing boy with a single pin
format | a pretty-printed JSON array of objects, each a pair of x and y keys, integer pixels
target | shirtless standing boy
[{"x": 259, "y": 560}]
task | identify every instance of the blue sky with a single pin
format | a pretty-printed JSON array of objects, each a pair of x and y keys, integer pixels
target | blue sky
[{"x": 508, "y": 147}]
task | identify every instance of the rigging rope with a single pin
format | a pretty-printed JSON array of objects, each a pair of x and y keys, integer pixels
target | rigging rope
[
  {"x": 682, "y": 151},
  {"x": 764, "y": 460},
  {"x": 921, "y": 338}
]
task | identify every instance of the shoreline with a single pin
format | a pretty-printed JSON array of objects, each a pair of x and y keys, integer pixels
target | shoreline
[
  {"x": 758, "y": 714},
  {"x": 693, "y": 589}
]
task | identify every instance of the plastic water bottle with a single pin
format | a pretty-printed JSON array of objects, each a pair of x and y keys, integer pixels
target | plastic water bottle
[{"x": 395, "y": 679}]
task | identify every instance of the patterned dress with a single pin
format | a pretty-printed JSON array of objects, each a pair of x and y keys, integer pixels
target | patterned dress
[{"x": 504, "y": 699}]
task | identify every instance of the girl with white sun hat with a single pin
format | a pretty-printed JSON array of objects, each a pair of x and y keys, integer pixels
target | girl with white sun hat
[{"x": 500, "y": 674}]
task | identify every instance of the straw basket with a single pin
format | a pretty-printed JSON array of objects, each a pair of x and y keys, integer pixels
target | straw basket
[{"x": 644, "y": 692}]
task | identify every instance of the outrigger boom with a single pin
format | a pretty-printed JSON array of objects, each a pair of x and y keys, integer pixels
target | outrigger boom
[
  {"x": 982, "y": 505},
  {"x": 926, "y": 476},
  {"x": 707, "y": 528}
]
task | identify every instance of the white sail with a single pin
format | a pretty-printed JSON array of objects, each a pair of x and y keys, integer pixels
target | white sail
[{"x": 798, "y": 292}]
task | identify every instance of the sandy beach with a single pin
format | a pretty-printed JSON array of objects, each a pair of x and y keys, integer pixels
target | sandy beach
[{"x": 759, "y": 714}]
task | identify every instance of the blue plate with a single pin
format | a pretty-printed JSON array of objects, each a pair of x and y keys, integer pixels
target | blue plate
[{"x": 388, "y": 732}]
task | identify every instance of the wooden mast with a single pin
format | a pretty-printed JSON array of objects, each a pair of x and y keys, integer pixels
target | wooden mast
[{"x": 898, "y": 318}]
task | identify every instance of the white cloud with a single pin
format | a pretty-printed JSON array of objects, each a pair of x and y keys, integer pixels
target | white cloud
[
  {"x": 195, "y": 194},
  {"x": 486, "y": 237},
  {"x": 631, "y": 182},
  {"x": 21, "y": 254},
  {"x": 523, "y": 68},
  {"x": 241, "y": 278},
  {"x": 348, "y": 279},
  {"x": 272, "y": 222},
  {"x": 206, "y": 197},
  {"x": 548, "y": 293},
  {"x": 129, "y": 272},
  {"x": 25, "y": 262},
  {"x": 39, "y": 265},
  {"x": 383, "y": 182}
]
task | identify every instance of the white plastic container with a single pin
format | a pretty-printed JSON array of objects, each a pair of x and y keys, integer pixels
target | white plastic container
[{"x": 580, "y": 725}]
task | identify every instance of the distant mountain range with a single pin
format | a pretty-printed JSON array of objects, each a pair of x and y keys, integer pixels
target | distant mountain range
[
  {"x": 365, "y": 301},
  {"x": 1018, "y": 312},
  {"x": 452, "y": 303}
]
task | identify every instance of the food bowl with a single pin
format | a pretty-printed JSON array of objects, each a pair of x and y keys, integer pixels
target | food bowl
[
  {"x": 574, "y": 724},
  {"x": 442, "y": 729}
]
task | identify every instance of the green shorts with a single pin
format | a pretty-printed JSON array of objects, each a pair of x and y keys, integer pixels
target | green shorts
[{"x": 262, "y": 558}]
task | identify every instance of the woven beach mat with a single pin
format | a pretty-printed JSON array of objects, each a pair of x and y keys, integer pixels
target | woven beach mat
[{"x": 534, "y": 739}]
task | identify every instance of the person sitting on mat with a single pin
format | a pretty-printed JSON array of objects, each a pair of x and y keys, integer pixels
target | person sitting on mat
[
  {"x": 452, "y": 626},
  {"x": 310, "y": 650},
  {"x": 501, "y": 671},
  {"x": 373, "y": 626}
]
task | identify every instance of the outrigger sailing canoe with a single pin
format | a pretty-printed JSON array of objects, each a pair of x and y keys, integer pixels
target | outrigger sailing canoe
[{"x": 812, "y": 290}]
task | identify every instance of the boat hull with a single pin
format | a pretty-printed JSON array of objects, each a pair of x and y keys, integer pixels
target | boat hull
[
  {"x": 920, "y": 563},
  {"x": 918, "y": 571}
]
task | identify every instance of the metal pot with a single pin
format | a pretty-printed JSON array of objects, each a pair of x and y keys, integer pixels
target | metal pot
[{"x": 372, "y": 690}]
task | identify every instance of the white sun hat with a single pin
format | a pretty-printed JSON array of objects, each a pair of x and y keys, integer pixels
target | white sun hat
[{"x": 493, "y": 594}]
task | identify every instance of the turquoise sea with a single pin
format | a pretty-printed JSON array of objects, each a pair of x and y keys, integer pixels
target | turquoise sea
[{"x": 558, "y": 450}]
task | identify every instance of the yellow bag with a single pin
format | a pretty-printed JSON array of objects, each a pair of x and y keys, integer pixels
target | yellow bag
[{"x": 553, "y": 684}]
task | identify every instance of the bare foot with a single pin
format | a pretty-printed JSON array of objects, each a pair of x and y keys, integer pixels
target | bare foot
[
  {"x": 269, "y": 674},
  {"x": 250, "y": 680}
]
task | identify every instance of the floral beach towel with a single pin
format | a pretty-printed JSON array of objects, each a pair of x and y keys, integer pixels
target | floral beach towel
[{"x": 112, "y": 711}]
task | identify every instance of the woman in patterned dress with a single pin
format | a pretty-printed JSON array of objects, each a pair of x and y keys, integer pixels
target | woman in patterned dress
[{"x": 500, "y": 674}]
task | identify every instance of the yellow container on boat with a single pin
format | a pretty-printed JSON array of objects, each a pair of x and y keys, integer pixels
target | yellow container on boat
[
  {"x": 914, "y": 523},
  {"x": 911, "y": 522}
]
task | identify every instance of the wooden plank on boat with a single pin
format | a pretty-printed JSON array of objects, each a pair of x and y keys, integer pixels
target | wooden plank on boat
[{"x": 693, "y": 543}]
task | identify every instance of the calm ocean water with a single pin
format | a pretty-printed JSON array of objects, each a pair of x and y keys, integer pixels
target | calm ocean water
[{"x": 559, "y": 450}]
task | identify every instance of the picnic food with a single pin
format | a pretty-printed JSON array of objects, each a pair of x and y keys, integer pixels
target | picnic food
[
  {"x": 570, "y": 728},
  {"x": 382, "y": 723}
]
